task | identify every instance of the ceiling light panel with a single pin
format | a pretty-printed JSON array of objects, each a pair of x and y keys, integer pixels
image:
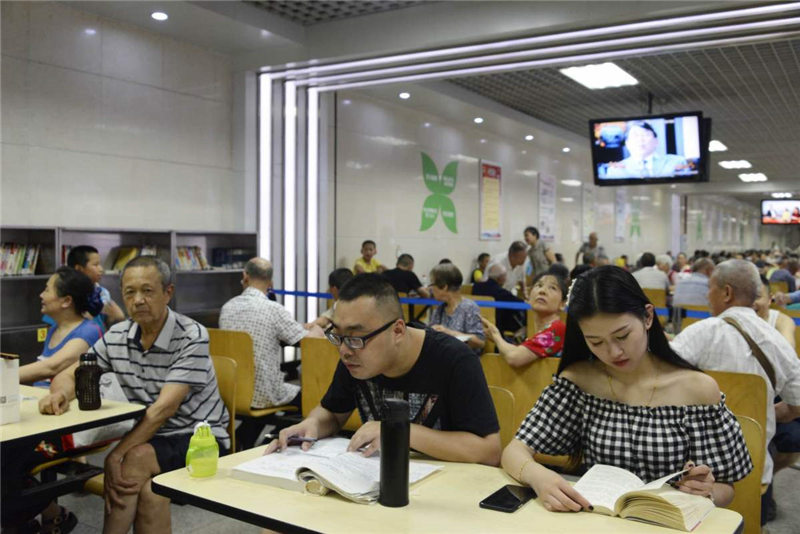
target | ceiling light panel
[
  {"x": 753, "y": 177},
  {"x": 600, "y": 76},
  {"x": 716, "y": 146},
  {"x": 735, "y": 164}
]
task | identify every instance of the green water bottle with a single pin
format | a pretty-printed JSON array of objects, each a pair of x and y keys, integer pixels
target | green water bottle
[{"x": 203, "y": 453}]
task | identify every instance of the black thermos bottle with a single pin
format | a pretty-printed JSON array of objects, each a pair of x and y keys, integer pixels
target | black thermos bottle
[
  {"x": 87, "y": 383},
  {"x": 395, "y": 428}
]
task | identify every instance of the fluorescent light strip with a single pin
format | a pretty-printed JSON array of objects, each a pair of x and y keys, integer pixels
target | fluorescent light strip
[
  {"x": 578, "y": 34},
  {"x": 264, "y": 166},
  {"x": 558, "y": 61},
  {"x": 312, "y": 205},
  {"x": 289, "y": 194},
  {"x": 684, "y": 34}
]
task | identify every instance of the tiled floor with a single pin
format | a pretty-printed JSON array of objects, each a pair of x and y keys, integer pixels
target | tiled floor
[{"x": 191, "y": 520}]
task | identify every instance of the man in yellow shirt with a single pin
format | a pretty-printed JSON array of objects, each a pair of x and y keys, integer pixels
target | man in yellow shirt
[{"x": 367, "y": 263}]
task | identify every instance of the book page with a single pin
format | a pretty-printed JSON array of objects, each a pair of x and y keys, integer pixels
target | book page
[
  {"x": 349, "y": 472},
  {"x": 328, "y": 447},
  {"x": 663, "y": 480},
  {"x": 602, "y": 485},
  {"x": 280, "y": 464}
]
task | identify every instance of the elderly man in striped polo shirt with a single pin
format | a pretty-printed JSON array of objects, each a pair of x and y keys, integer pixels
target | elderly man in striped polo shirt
[{"x": 161, "y": 361}]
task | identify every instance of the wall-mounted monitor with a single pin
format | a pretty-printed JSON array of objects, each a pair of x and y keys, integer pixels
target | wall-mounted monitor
[
  {"x": 650, "y": 149},
  {"x": 780, "y": 212}
]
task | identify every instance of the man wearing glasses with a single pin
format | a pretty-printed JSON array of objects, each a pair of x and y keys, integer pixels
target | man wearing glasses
[{"x": 451, "y": 411}]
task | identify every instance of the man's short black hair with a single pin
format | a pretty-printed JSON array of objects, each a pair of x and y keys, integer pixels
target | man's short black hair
[
  {"x": 643, "y": 125},
  {"x": 648, "y": 259},
  {"x": 517, "y": 246},
  {"x": 532, "y": 230},
  {"x": 80, "y": 255},
  {"x": 405, "y": 260},
  {"x": 375, "y": 286},
  {"x": 339, "y": 277},
  {"x": 369, "y": 242}
]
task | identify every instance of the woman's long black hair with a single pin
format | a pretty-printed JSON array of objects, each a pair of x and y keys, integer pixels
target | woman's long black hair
[{"x": 610, "y": 289}]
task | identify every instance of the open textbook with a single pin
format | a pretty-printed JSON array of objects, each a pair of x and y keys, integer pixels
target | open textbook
[
  {"x": 616, "y": 491},
  {"x": 326, "y": 466}
]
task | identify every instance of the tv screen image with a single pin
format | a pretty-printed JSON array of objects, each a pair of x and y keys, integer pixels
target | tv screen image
[
  {"x": 780, "y": 212},
  {"x": 649, "y": 149}
]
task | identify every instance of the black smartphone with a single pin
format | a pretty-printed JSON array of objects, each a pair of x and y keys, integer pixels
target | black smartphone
[{"x": 508, "y": 498}]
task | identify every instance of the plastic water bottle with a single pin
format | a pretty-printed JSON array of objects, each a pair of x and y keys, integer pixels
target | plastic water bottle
[
  {"x": 203, "y": 453},
  {"x": 395, "y": 433},
  {"x": 87, "y": 382}
]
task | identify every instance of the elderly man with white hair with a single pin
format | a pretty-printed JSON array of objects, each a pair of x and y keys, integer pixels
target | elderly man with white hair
[{"x": 721, "y": 343}]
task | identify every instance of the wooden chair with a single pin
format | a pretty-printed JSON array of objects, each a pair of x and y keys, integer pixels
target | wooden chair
[
  {"x": 466, "y": 289},
  {"x": 319, "y": 358},
  {"x": 794, "y": 314},
  {"x": 504, "y": 402},
  {"x": 239, "y": 347},
  {"x": 747, "y": 497},
  {"x": 490, "y": 314},
  {"x": 745, "y": 394},
  {"x": 225, "y": 369},
  {"x": 658, "y": 298},
  {"x": 686, "y": 321},
  {"x": 778, "y": 287}
]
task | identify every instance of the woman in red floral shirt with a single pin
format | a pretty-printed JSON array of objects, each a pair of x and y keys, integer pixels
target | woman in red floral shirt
[{"x": 547, "y": 298}]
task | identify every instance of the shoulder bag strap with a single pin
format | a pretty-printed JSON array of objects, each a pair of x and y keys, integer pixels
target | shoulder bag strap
[{"x": 756, "y": 350}]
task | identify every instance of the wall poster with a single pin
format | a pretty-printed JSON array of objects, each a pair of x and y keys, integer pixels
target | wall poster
[
  {"x": 588, "y": 219},
  {"x": 547, "y": 208},
  {"x": 490, "y": 200}
]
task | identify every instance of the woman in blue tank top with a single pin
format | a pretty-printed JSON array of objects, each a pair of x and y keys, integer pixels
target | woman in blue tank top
[{"x": 67, "y": 299}]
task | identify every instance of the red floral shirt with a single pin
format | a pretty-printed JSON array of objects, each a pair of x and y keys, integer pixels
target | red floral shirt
[{"x": 548, "y": 342}]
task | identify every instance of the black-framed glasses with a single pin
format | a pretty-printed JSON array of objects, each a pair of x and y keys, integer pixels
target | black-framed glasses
[{"x": 355, "y": 342}]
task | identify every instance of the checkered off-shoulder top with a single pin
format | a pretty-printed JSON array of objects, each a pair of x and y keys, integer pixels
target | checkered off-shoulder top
[{"x": 649, "y": 442}]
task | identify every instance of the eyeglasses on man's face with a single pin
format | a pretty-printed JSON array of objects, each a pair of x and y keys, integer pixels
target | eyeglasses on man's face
[{"x": 355, "y": 342}]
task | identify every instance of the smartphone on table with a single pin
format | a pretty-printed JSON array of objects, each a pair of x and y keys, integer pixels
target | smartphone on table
[{"x": 508, "y": 498}]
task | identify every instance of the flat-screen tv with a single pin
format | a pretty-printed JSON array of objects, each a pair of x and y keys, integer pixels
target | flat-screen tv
[
  {"x": 650, "y": 149},
  {"x": 780, "y": 212}
]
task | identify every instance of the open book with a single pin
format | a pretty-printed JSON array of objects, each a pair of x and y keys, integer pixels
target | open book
[
  {"x": 616, "y": 491},
  {"x": 326, "y": 466}
]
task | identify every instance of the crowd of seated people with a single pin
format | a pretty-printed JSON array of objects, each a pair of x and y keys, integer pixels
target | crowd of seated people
[{"x": 614, "y": 355}]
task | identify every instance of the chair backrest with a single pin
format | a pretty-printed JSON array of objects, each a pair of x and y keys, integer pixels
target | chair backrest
[
  {"x": 525, "y": 383},
  {"x": 490, "y": 314},
  {"x": 745, "y": 394},
  {"x": 404, "y": 307},
  {"x": 686, "y": 321},
  {"x": 238, "y": 346},
  {"x": 794, "y": 314},
  {"x": 503, "y": 401},
  {"x": 319, "y": 358},
  {"x": 466, "y": 289},
  {"x": 225, "y": 369},
  {"x": 747, "y": 496},
  {"x": 658, "y": 297},
  {"x": 779, "y": 287}
]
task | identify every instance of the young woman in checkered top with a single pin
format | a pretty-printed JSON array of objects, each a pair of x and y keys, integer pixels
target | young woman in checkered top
[{"x": 623, "y": 397}]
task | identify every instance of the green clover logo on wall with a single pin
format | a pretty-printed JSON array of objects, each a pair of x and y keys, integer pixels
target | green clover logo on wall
[{"x": 438, "y": 201}]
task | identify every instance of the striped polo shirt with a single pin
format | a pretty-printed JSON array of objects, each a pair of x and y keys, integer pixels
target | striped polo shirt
[{"x": 179, "y": 355}]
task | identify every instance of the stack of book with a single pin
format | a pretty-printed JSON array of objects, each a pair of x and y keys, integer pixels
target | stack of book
[
  {"x": 190, "y": 259},
  {"x": 17, "y": 259}
]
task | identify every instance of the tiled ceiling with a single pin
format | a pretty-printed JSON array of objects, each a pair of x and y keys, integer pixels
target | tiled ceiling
[
  {"x": 751, "y": 92},
  {"x": 310, "y": 12}
]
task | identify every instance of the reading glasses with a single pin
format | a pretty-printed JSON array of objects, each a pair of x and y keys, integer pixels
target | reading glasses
[{"x": 355, "y": 342}]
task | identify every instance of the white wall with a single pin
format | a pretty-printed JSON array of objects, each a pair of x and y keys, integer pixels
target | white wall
[
  {"x": 380, "y": 190},
  {"x": 108, "y": 125}
]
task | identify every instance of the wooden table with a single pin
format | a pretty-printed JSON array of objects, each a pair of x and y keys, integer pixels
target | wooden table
[
  {"x": 18, "y": 440},
  {"x": 445, "y": 502}
]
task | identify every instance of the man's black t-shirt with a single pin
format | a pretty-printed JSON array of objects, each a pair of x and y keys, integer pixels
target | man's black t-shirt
[
  {"x": 402, "y": 281},
  {"x": 445, "y": 389}
]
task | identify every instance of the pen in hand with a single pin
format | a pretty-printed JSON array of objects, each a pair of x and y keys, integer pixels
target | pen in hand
[{"x": 294, "y": 440}]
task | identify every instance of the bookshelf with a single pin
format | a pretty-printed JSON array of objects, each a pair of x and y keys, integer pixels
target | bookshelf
[{"x": 198, "y": 293}]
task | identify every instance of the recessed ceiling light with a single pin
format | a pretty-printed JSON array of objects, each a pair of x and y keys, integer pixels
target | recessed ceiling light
[
  {"x": 571, "y": 183},
  {"x": 159, "y": 16},
  {"x": 753, "y": 177},
  {"x": 346, "y": 102},
  {"x": 483, "y": 141},
  {"x": 781, "y": 195},
  {"x": 404, "y": 95},
  {"x": 265, "y": 33},
  {"x": 599, "y": 76},
  {"x": 426, "y": 124},
  {"x": 90, "y": 31},
  {"x": 735, "y": 164},
  {"x": 524, "y": 151},
  {"x": 567, "y": 199},
  {"x": 478, "y": 120},
  {"x": 716, "y": 146},
  {"x": 565, "y": 149},
  {"x": 529, "y": 137}
]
